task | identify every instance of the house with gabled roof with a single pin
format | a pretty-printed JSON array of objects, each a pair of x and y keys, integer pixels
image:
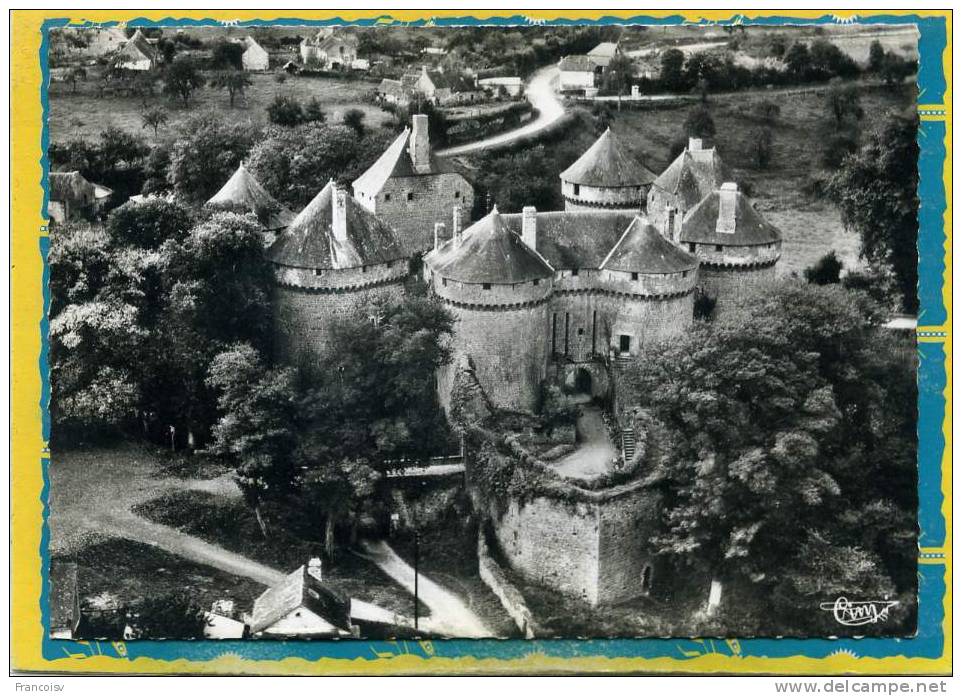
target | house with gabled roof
[
  {"x": 73, "y": 197},
  {"x": 302, "y": 606},
  {"x": 602, "y": 54},
  {"x": 577, "y": 73},
  {"x": 138, "y": 54},
  {"x": 695, "y": 173},
  {"x": 255, "y": 56},
  {"x": 329, "y": 50},
  {"x": 412, "y": 189}
]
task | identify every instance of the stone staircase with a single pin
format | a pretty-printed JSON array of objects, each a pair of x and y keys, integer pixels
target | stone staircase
[{"x": 628, "y": 443}]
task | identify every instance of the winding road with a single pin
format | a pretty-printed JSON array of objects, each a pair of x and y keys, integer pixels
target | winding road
[{"x": 540, "y": 91}]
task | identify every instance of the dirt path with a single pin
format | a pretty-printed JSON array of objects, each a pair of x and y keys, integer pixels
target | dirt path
[
  {"x": 540, "y": 91},
  {"x": 449, "y": 615},
  {"x": 594, "y": 454}
]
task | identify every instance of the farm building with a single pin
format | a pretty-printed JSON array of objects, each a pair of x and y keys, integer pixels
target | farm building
[
  {"x": 602, "y": 54},
  {"x": 329, "y": 51},
  {"x": 577, "y": 73},
  {"x": 137, "y": 54},
  {"x": 255, "y": 57},
  {"x": 302, "y": 606},
  {"x": 72, "y": 197}
]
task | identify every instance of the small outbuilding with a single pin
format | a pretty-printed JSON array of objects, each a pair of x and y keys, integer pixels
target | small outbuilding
[
  {"x": 138, "y": 54},
  {"x": 72, "y": 197},
  {"x": 255, "y": 57}
]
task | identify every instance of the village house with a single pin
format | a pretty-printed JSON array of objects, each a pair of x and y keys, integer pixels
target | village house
[
  {"x": 436, "y": 86},
  {"x": 602, "y": 54},
  {"x": 93, "y": 42},
  {"x": 329, "y": 51},
  {"x": 255, "y": 58},
  {"x": 577, "y": 73},
  {"x": 302, "y": 606},
  {"x": 138, "y": 54},
  {"x": 72, "y": 197},
  {"x": 412, "y": 190},
  {"x": 64, "y": 601}
]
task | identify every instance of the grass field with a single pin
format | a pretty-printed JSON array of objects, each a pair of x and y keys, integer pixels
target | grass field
[{"x": 84, "y": 114}]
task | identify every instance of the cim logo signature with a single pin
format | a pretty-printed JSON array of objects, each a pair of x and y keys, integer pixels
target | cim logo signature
[{"x": 850, "y": 613}]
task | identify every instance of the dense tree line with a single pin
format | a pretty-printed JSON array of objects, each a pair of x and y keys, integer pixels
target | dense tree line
[{"x": 792, "y": 469}]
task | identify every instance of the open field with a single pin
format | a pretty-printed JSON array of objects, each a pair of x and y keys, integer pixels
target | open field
[{"x": 84, "y": 114}]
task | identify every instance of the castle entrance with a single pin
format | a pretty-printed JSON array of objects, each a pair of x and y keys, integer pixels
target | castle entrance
[{"x": 582, "y": 381}]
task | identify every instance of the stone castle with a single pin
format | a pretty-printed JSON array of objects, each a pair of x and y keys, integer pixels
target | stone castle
[{"x": 540, "y": 297}]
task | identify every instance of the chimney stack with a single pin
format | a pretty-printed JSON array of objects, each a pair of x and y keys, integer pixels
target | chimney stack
[
  {"x": 727, "y": 204},
  {"x": 420, "y": 146},
  {"x": 339, "y": 222},
  {"x": 529, "y": 226},
  {"x": 438, "y": 233},
  {"x": 670, "y": 214},
  {"x": 694, "y": 144},
  {"x": 456, "y": 225},
  {"x": 314, "y": 568}
]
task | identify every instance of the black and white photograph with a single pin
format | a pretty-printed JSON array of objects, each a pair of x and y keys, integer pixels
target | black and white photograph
[{"x": 427, "y": 332}]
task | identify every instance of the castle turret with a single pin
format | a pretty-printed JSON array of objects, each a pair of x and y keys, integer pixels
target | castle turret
[
  {"x": 695, "y": 173},
  {"x": 334, "y": 257},
  {"x": 736, "y": 246},
  {"x": 498, "y": 288},
  {"x": 606, "y": 176},
  {"x": 243, "y": 192}
]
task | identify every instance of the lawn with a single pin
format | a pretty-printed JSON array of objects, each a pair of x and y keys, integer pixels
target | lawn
[
  {"x": 84, "y": 114},
  {"x": 232, "y": 525},
  {"x": 129, "y": 570}
]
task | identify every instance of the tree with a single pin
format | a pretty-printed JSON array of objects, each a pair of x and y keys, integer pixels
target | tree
[
  {"x": 285, "y": 111},
  {"x": 699, "y": 123},
  {"x": 227, "y": 55},
  {"x": 767, "y": 111},
  {"x": 354, "y": 119},
  {"x": 154, "y": 118},
  {"x": 876, "y": 190},
  {"x": 768, "y": 413},
  {"x": 182, "y": 78},
  {"x": 314, "y": 112},
  {"x": 762, "y": 143},
  {"x": 148, "y": 224},
  {"x": 296, "y": 163},
  {"x": 876, "y": 56},
  {"x": 74, "y": 74},
  {"x": 620, "y": 75},
  {"x": 826, "y": 271},
  {"x": 798, "y": 60},
  {"x": 516, "y": 180},
  {"x": 672, "y": 75},
  {"x": 844, "y": 104},
  {"x": 234, "y": 81},
  {"x": 207, "y": 150}
]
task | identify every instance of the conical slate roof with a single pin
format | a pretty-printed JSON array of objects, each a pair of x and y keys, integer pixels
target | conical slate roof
[
  {"x": 750, "y": 228},
  {"x": 242, "y": 190},
  {"x": 309, "y": 241},
  {"x": 608, "y": 164},
  {"x": 489, "y": 252},
  {"x": 642, "y": 249},
  {"x": 693, "y": 174}
]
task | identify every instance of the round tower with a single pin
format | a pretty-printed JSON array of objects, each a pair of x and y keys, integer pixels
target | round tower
[
  {"x": 607, "y": 177},
  {"x": 334, "y": 259},
  {"x": 498, "y": 288},
  {"x": 737, "y": 247}
]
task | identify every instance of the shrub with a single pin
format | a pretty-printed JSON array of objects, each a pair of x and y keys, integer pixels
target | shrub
[{"x": 826, "y": 271}]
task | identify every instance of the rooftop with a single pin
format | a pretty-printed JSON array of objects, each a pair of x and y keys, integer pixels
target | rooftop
[
  {"x": 749, "y": 228},
  {"x": 642, "y": 249},
  {"x": 242, "y": 190},
  {"x": 694, "y": 173},
  {"x": 488, "y": 252},
  {"x": 302, "y": 588},
  {"x": 577, "y": 64},
  {"x": 607, "y": 163},
  {"x": 309, "y": 241}
]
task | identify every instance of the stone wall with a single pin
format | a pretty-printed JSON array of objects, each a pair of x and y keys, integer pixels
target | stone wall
[
  {"x": 508, "y": 348},
  {"x": 581, "y": 197},
  {"x": 412, "y": 205},
  {"x": 594, "y": 551},
  {"x": 511, "y": 599},
  {"x": 731, "y": 285},
  {"x": 303, "y": 315}
]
